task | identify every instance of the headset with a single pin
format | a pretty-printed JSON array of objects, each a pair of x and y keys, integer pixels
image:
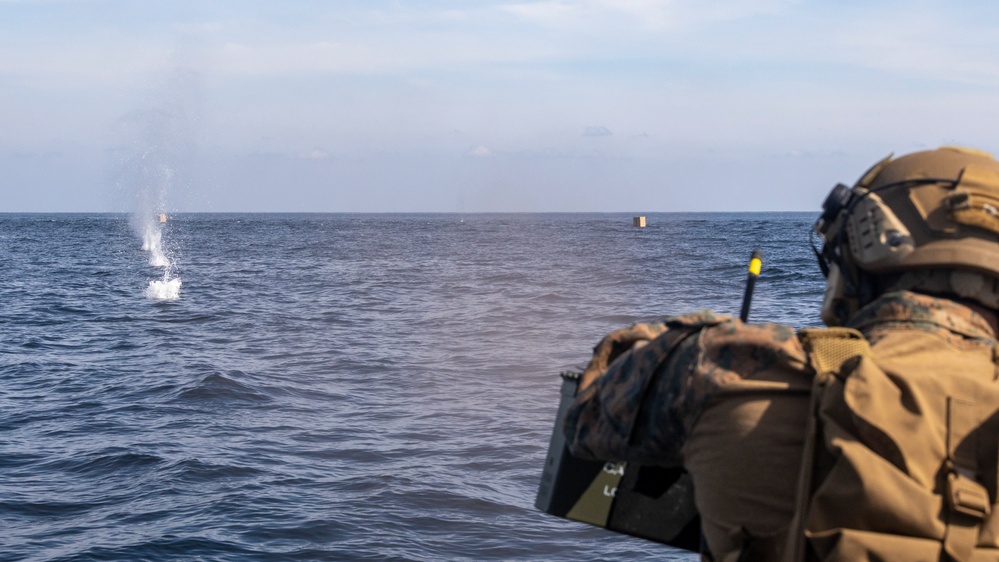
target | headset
[
  {"x": 859, "y": 232},
  {"x": 862, "y": 236}
]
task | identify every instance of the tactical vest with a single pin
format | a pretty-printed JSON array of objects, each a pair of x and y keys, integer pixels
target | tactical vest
[{"x": 896, "y": 467}]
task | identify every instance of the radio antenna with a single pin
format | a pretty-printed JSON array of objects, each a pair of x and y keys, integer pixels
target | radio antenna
[{"x": 755, "y": 264}]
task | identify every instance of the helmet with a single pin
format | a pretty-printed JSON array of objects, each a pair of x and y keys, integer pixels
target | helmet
[{"x": 930, "y": 220}]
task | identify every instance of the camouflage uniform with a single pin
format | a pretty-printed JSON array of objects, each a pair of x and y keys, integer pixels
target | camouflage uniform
[{"x": 729, "y": 401}]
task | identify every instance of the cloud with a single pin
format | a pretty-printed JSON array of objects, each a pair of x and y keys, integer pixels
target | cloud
[
  {"x": 291, "y": 57},
  {"x": 48, "y": 155},
  {"x": 648, "y": 14},
  {"x": 537, "y": 82},
  {"x": 316, "y": 153},
  {"x": 818, "y": 153},
  {"x": 479, "y": 151},
  {"x": 597, "y": 132}
]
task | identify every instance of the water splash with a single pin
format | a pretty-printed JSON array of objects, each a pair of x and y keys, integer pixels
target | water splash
[
  {"x": 165, "y": 289},
  {"x": 163, "y": 140},
  {"x": 152, "y": 242},
  {"x": 168, "y": 287}
]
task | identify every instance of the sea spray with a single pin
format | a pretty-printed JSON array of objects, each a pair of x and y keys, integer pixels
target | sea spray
[
  {"x": 163, "y": 289},
  {"x": 168, "y": 287},
  {"x": 163, "y": 140},
  {"x": 155, "y": 189},
  {"x": 152, "y": 242}
]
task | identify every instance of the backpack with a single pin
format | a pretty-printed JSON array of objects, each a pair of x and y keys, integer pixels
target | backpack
[{"x": 897, "y": 465}]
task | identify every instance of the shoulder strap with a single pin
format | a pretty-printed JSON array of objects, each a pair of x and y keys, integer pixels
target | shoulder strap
[{"x": 828, "y": 350}]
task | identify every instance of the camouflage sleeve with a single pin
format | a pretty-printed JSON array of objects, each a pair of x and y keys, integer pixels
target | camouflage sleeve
[
  {"x": 644, "y": 407},
  {"x": 599, "y": 424}
]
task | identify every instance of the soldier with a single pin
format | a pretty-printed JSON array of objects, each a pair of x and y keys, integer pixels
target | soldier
[{"x": 874, "y": 439}]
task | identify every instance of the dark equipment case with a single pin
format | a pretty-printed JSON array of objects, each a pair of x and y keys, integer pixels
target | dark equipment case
[{"x": 650, "y": 502}]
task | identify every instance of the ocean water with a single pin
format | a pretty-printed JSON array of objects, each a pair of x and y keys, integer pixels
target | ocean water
[{"x": 332, "y": 387}]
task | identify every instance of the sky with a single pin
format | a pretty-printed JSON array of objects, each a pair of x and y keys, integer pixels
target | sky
[{"x": 479, "y": 106}]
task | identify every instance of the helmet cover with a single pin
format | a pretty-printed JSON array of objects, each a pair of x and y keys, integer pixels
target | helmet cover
[{"x": 930, "y": 210}]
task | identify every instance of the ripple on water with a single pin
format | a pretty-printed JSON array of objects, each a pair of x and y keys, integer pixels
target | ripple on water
[{"x": 332, "y": 387}]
